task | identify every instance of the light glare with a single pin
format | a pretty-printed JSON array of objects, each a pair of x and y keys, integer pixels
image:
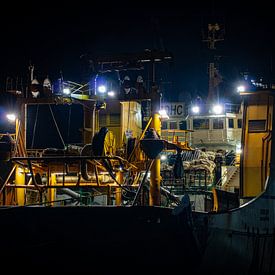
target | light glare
[
  {"x": 195, "y": 109},
  {"x": 11, "y": 117},
  {"x": 111, "y": 93},
  {"x": 163, "y": 114},
  {"x": 238, "y": 151},
  {"x": 217, "y": 109},
  {"x": 102, "y": 89},
  {"x": 66, "y": 91},
  {"x": 163, "y": 157},
  {"x": 241, "y": 88}
]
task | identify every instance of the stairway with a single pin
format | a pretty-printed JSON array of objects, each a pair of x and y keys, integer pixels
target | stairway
[
  {"x": 20, "y": 149},
  {"x": 233, "y": 180}
]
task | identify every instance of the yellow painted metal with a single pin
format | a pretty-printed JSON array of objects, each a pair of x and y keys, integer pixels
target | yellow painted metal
[
  {"x": 20, "y": 180},
  {"x": 110, "y": 144},
  {"x": 130, "y": 120},
  {"x": 4, "y": 185},
  {"x": 119, "y": 178},
  {"x": 154, "y": 194},
  {"x": 68, "y": 185},
  {"x": 140, "y": 153},
  {"x": 80, "y": 96},
  {"x": 177, "y": 137},
  {"x": 52, "y": 191},
  {"x": 256, "y": 151},
  {"x": 17, "y": 133},
  {"x": 215, "y": 200},
  {"x": 88, "y": 116}
]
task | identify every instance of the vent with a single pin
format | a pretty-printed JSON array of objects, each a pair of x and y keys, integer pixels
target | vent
[
  {"x": 114, "y": 119},
  {"x": 102, "y": 120},
  {"x": 256, "y": 126}
]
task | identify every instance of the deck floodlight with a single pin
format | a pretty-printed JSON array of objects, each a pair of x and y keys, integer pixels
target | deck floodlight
[
  {"x": 217, "y": 109},
  {"x": 240, "y": 88},
  {"x": 195, "y": 109},
  {"x": 11, "y": 117},
  {"x": 163, "y": 114},
  {"x": 66, "y": 91},
  {"x": 102, "y": 89},
  {"x": 111, "y": 93},
  {"x": 238, "y": 149},
  {"x": 163, "y": 157}
]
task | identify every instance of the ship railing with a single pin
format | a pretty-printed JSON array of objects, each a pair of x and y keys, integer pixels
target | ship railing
[
  {"x": 13, "y": 136},
  {"x": 193, "y": 179},
  {"x": 35, "y": 152},
  {"x": 29, "y": 163},
  {"x": 7, "y": 179}
]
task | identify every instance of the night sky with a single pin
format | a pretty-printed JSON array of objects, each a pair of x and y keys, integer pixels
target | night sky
[{"x": 53, "y": 36}]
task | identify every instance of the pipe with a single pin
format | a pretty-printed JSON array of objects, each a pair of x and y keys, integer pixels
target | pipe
[
  {"x": 71, "y": 179},
  {"x": 71, "y": 193},
  {"x": 118, "y": 196},
  {"x": 169, "y": 195},
  {"x": 154, "y": 194},
  {"x": 86, "y": 151}
]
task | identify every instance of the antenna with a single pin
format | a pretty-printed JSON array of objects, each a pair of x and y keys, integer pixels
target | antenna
[
  {"x": 214, "y": 34},
  {"x": 31, "y": 69}
]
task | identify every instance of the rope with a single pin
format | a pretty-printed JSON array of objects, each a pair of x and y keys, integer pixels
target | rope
[
  {"x": 56, "y": 126},
  {"x": 34, "y": 126},
  {"x": 142, "y": 182},
  {"x": 128, "y": 115}
]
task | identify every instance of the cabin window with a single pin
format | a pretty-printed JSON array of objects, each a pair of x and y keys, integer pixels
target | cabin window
[
  {"x": 240, "y": 123},
  {"x": 257, "y": 125},
  {"x": 164, "y": 125},
  {"x": 217, "y": 123},
  {"x": 183, "y": 125},
  {"x": 200, "y": 124},
  {"x": 173, "y": 125},
  {"x": 231, "y": 123}
]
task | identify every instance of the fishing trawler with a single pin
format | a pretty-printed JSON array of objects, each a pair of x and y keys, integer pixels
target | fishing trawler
[
  {"x": 73, "y": 208},
  {"x": 50, "y": 221}
]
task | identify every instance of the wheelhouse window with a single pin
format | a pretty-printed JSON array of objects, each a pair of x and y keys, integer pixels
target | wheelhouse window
[
  {"x": 173, "y": 125},
  {"x": 200, "y": 124},
  {"x": 240, "y": 123},
  {"x": 164, "y": 125},
  {"x": 218, "y": 123},
  {"x": 230, "y": 123},
  {"x": 183, "y": 125}
]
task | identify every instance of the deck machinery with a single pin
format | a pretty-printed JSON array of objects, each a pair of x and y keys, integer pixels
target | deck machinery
[
  {"x": 108, "y": 163},
  {"x": 75, "y": 238}
]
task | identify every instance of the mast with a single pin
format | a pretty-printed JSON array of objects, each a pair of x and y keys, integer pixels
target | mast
[{"x": 214, "y": 35}]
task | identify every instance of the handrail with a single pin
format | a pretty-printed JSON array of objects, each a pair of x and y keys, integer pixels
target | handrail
[
  {"x": 7, "y": 179},
  {"x": 219, "y": 183},
  {"x": 265, "y": 143},
  {"x": 67, "y": 158},
  {"x": 11, "y": 135}
]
